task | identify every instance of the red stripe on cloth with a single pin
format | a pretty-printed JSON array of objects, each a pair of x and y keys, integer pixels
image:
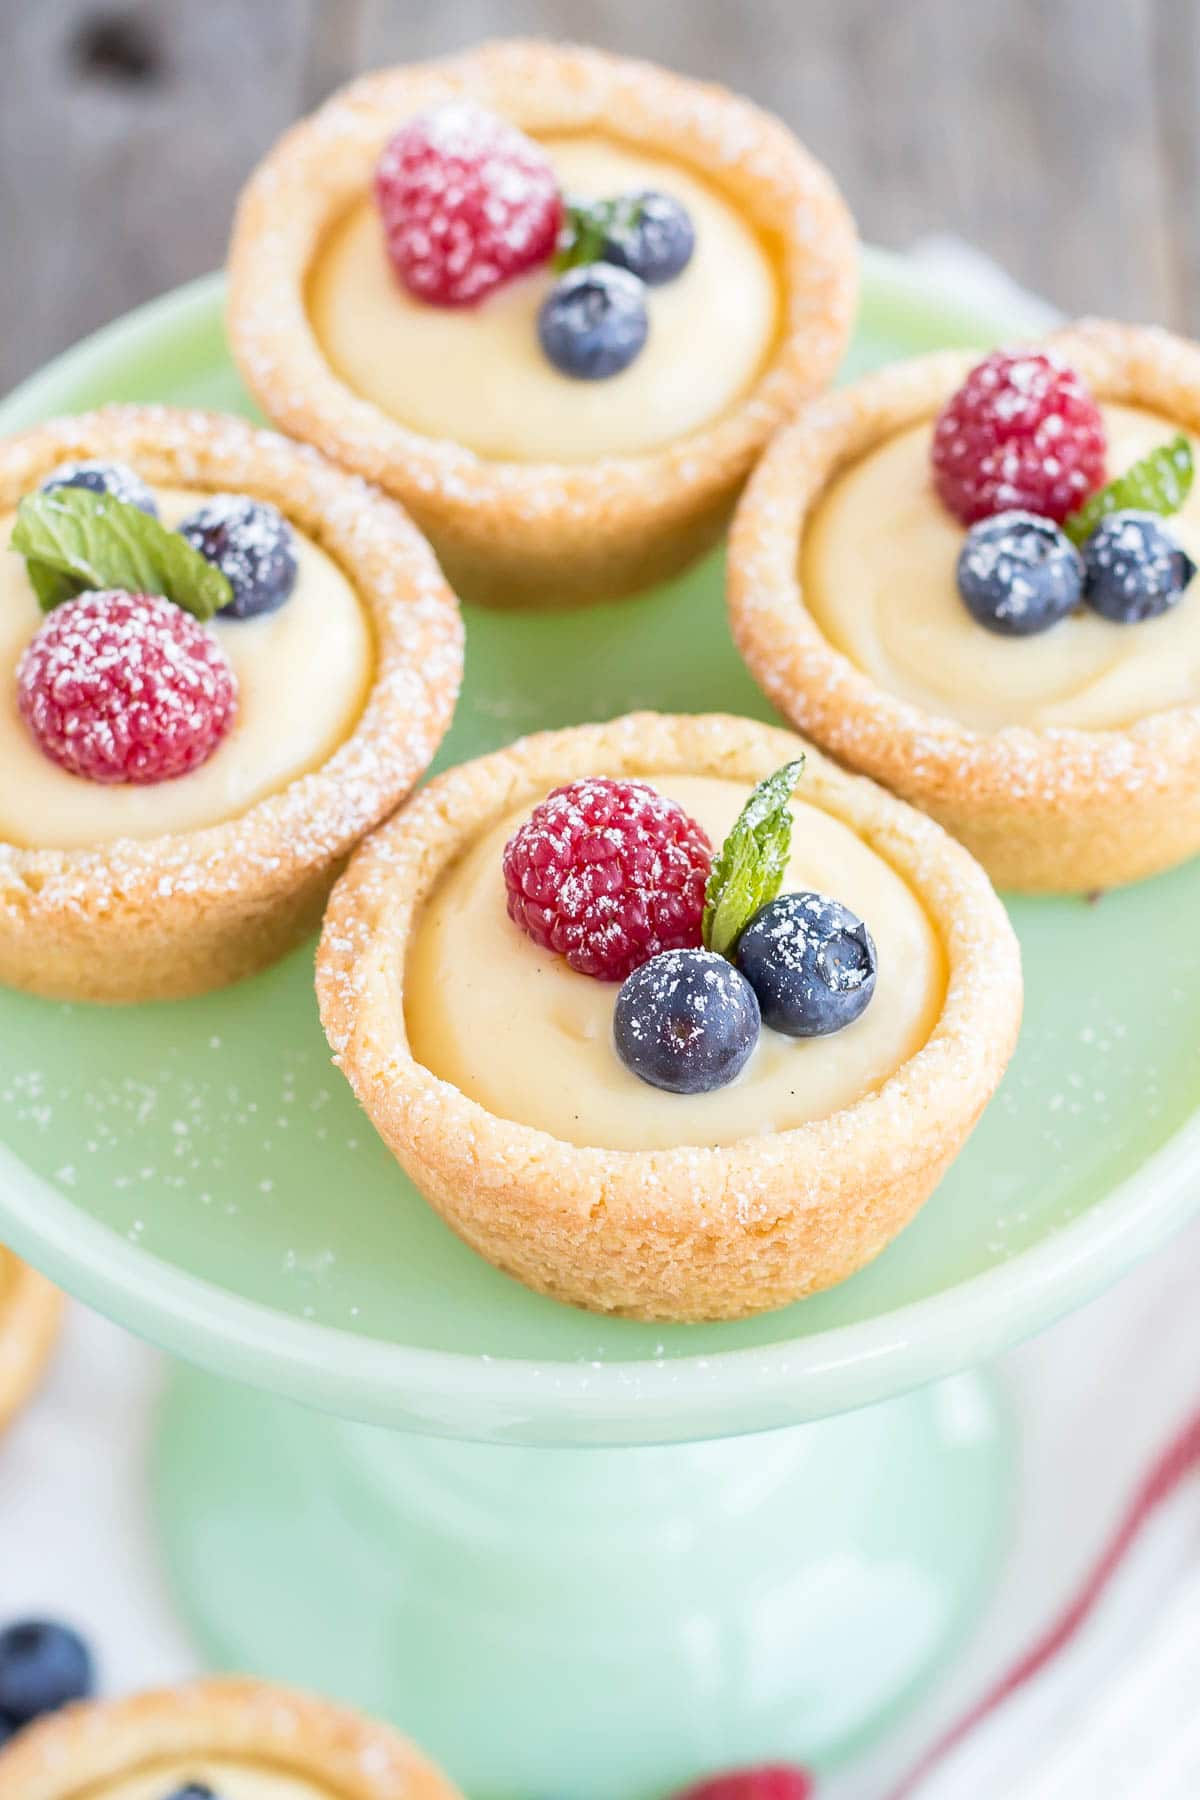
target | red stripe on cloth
[{"x": 1179, "y": 1460}]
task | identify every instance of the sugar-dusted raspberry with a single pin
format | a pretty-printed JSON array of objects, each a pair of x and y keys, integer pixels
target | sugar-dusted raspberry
[
  {"x": 772, "y": 1781},
  {"x": 1023, "y": 431},
  {"x": 608, "y": 874},
  {"x": 467, "y": 202},
  {"x": 120, "y": 687}
]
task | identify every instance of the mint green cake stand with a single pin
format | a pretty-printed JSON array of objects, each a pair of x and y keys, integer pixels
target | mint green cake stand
[{"x": 548, "y": 1544}]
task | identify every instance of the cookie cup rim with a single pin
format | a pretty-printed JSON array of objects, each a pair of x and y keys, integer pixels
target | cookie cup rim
[
  {"x": 1037, "y": 776},
  {"x": 231, "y": 1717},
  {"x": 562, "y": 1217},
  {"x": 313, "y": 820},
  {"x": 322, "y": 164},
  {"x": 31, "y": 1311}
]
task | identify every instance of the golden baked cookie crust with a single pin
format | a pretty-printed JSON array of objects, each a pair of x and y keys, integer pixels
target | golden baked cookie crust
[
  {"x": 30, "y": 1316},
  {"x": 1044, "y": 810},
  {"x": 350, "y": 1757},
  {"x": 521, "y": 533},
  {"x": 684, "y": 1234},
  {"x": 171, "y": 916}
]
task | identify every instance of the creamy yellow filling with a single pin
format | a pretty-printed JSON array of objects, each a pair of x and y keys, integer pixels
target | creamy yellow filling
[
  {"x": 517, "y": 1030},
  {"x": 477, "y": 375},
  {"x": 303, "y": 674},
  {"x": 228, "y": 1781},
  {"x": 878, "y": 568}
]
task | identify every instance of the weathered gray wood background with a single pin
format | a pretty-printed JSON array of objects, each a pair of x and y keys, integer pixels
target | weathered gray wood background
[{"x": 1063, "y": 136}]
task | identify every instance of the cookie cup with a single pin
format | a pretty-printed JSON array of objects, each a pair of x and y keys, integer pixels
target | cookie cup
[
  {"x": 30, "y": 1316},
  {"x": 89, "y": 1749},
  {"x": 1045, "y": 810},
  {"x": 689, "y": 1233},
  {"x": 170, "y": 916},
  {"x": 548, "y": 534}
]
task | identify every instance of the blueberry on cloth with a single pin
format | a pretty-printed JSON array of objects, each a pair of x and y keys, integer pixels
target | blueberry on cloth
[
  {"x": 593, "y": 322},
  {"x": 1019, "y": 574},
  {"x": 686, "y": 1021},
  {"x": 811, "y": 962},
  {"x": 1134, "y": 568},
  {"x": 43, "y": 1665}
]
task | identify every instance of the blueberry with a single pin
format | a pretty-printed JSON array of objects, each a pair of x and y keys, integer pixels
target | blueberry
[
  {"x": 1134, "y": 568},
  {"x": 42, "y": 1666},
  {"x": 811, "y": 963},
  {"x": 1019, "y": 574},
  {"x": 192, "y": 1790},
  {"x": 594, "y": 321},
  {"x": 117, "y": 479},
  {"x": 656, "y": 241},
  {"x": 251, "y": 542},
  {"x": 686, "y": 1021}
]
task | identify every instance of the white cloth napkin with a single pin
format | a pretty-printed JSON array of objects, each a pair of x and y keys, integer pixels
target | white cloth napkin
[{"x": 1095, "y": 1396}]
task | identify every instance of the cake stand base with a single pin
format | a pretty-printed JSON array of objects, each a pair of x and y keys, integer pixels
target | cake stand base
[{"x": 588, "y": 1623}]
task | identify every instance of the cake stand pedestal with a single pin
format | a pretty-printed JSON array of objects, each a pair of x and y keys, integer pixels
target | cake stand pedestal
[
  {"x": 592, "y": 1622},
  {"x": 573, "y": 1555}
]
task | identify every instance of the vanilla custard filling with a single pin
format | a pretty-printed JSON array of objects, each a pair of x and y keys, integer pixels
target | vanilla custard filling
[
  {"x": 228, "y": 1781},
  {"x": 878, "y": 570},
  {"x": 514, "y": 1028},
  {"x": 303, "y": 673},
  {"x": 478, "y": 376}
]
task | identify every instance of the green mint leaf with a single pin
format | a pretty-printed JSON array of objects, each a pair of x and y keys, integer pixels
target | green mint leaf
[
  {"x": 1158, "y": 483},
  {"x": 748, "y": 869},
  {"x": 51, "y": 587},
  {"x": 587, "y": 227},
  {"x": 74, "y": 540}
]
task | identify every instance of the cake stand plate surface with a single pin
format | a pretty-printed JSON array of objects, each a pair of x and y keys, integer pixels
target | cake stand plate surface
[{"x": 200, "y": 1172}]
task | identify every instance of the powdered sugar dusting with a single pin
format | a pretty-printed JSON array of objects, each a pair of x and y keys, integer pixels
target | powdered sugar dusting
[
  {"x": 668, "y": 1230},
  {"x": 800, "y": 932},
  {"x": 467, "y": 202},
  {"x": 1008, "y": 784},
  {"x": 607, "y": 874},
  {"x": 249, "y": 1724},
  {"x": 686, "y": 1021},
  {"x": 315, "y": 819},
  {"x": 120, "y": 687},
  {"x": 1022, "y": 431},
  {"x": 251, "y": 543},
  {"x": 114, "y": 478},
  {"x": 506, "y": 513},
  {"x": 1136, "y": 568}
]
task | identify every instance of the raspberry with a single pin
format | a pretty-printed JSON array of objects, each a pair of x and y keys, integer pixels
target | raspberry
[
  {"x": 125, "y": 687},
  {"x": 467, "y": 201},
  {"x": 608, "y": 874},
  {"x": 775, "y": 1781},
  {"x": 1021, "y": 432}
]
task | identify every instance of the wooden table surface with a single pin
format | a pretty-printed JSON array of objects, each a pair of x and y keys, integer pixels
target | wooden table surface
[{"x": 1059, "y": 135}]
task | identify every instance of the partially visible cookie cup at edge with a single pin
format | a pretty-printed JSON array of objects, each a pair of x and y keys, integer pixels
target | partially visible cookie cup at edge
[
  {"x": 30, "y": 1315},
  {"x": 688, "y": 1233},
  {"x": 1044, "y": 809},
  {"x": 170, "y": 916},
  {"x": 274, "y": 1733},
  {"x": 512, "y": 533}
]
